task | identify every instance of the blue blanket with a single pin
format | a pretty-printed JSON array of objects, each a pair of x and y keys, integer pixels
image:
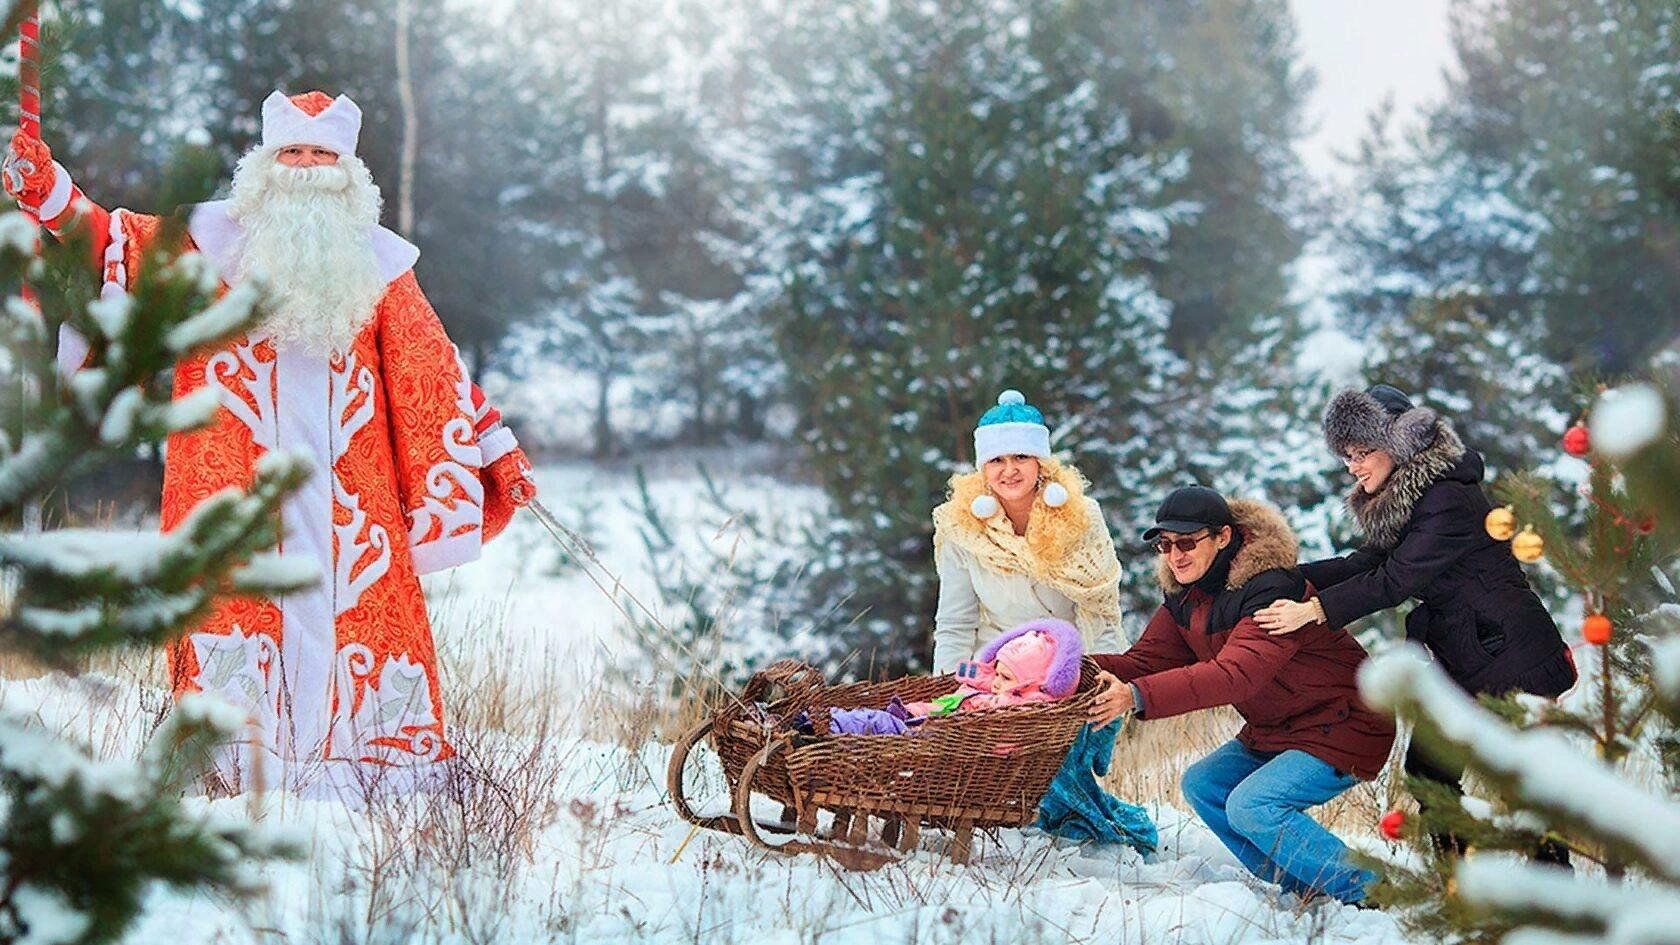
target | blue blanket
[{"x": 1077, "y": 808}]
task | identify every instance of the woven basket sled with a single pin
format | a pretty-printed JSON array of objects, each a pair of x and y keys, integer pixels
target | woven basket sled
[{"x": 983, "y": 769}]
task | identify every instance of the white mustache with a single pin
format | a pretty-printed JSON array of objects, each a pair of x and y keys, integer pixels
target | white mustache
[{"x": 322, "y": 178}]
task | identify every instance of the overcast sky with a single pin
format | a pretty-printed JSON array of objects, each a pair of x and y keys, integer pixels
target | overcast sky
[{"x": 1363, "y": 50}]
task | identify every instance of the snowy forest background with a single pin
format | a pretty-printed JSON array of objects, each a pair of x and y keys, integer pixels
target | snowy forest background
[{"x": 816, "y": 238}]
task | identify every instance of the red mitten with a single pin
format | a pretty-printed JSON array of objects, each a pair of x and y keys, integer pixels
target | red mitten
[
  {"x": 507, "y": 486},
  {"x": 28, "y": 172}
]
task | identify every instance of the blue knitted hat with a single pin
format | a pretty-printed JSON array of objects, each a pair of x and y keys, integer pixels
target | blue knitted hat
[{"x": 1012, "y": 427}]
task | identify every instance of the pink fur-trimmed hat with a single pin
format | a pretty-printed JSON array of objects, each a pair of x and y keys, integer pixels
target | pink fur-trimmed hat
[
  {"x": 1063, "y": 675},
  {"x": 311, "y": 118}
]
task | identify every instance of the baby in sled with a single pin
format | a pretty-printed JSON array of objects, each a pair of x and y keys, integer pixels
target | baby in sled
[{"x": 1035, "y": 662}]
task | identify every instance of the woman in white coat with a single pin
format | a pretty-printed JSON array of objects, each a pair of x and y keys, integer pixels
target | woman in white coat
[{"x": 1019, "y": 540}]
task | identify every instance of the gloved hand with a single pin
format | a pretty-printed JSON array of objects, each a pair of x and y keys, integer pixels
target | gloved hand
[
  {"x": 507, "y": 487},
  {"x": 506, "y": 479},
  {"x": 28, "y": 172}
]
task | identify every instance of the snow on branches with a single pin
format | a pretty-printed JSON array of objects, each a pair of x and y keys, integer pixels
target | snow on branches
[{"x": 83, "y": 840}]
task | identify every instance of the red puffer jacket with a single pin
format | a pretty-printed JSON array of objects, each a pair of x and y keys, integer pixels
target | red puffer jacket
[{"x": 1203, "y": 649}]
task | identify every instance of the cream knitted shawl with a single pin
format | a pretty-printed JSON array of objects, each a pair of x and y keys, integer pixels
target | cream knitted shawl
[{"x": 1067, "y": 549}]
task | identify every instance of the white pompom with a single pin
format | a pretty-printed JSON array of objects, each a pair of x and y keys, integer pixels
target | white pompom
[
  {"x": 984, "y": 506},
  {"x": 1055, "y": 495},
  {"x": 1009, "y": 397}
]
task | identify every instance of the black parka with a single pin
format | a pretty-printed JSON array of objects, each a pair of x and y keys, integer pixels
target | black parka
[{"x": 1427, "y": 540}]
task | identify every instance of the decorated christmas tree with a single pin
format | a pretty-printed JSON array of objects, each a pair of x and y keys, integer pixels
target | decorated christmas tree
[
  {"x": 82, "y": 839},
  {"x": 1594, "y": 772}
]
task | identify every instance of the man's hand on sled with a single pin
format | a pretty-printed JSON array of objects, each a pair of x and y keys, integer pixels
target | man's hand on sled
[
  {"x": 1287, "y": 616},
  {"x": 1114, "y": 699},
  {"x": 28, "y": 171}
]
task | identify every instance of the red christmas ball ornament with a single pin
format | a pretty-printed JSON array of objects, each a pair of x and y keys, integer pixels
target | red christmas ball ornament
[
  {"x": 1392, "y": 823},
  {"x": 1647, "y": 525},
  {"x": 1596, "y": 629},
  {"x": 1577, "y": 441}
]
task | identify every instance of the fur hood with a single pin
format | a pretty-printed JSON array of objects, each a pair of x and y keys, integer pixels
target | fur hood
[
  {"x": 1053, "y": 533},
  {"x": 1268, "y": 543},
  {"x": 1384, "y": 515},
  {"x": 1063, "y": 677}
]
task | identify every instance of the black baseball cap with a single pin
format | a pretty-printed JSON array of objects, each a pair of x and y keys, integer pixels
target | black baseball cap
[{"x": 1190, "y": 509}]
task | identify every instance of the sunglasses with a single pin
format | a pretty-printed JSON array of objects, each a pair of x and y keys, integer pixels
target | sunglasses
[{"x": 1164, "y": 545}]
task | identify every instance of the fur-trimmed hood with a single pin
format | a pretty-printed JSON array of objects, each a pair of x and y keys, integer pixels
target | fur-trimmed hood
[
  {"x": 1267, "y": 543},
  {"x": 1053, "y": 533},
  {"x": 1383, "y": 516},
  {"x": 1063, "y": 677}
]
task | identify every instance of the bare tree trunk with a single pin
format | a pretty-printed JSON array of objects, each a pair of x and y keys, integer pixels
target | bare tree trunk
[
  {"x": 604, "y": 446},
  {"x": 410, "y": 122}
]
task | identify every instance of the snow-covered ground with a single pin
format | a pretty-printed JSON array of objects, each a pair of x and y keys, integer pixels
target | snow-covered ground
[{"x": 558, "y": 830}]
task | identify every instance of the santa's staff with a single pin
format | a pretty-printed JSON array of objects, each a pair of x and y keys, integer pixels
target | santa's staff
[
  {"x": 29, "y": 72},
  {"x": 29, "y": 92}
]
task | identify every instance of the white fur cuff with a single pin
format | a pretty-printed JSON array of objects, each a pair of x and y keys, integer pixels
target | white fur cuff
[
  {"x": 498, "y": 441},
  {"x": 59, "y": 199}
]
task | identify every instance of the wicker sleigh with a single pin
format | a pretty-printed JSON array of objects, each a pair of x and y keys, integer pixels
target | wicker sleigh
[{"x": 981, "y": 770}]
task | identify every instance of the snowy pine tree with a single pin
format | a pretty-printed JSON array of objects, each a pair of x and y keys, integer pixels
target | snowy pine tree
[
  {"x": 1540, "y": 187},
  {"x": 82, "y": 840},
  {"x": 983, "y": 195}
]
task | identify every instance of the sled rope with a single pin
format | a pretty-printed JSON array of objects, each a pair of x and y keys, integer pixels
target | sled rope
[{"x": 602, "y": 576}]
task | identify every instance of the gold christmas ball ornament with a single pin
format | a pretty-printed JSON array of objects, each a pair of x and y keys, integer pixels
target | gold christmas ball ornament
[
  {"x": 1528, "y": 547},
  {"x": 1501, "y": 524}
]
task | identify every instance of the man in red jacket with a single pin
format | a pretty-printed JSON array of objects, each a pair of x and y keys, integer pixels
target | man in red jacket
[{"x": 1308, "y": 736}]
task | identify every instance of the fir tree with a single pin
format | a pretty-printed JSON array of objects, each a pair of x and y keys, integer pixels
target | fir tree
[
  {"x": 986, "y": 198},
  {"x": 1541, "y": 186},
  {"x": 1564, "y": 774},
  {"x": 82, "y": 840}
]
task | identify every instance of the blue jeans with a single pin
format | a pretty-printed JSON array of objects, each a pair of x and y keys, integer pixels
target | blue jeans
[{"x": 1254, "y": 801}]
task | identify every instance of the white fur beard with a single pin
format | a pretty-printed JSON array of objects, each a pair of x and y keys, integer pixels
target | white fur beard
[{"x": 307, "y": 239}]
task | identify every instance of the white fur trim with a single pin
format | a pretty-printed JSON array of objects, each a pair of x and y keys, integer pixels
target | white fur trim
[
  {"x": 285, "y": 124},
  {"x": 59, "y": 199},
  {"x": 448, "y": 552},
  {"x": 308, "y": 638},
  {"x": 1009, "y": 439},
  {"x": 498, "y": 441},
  {"x": 72, "y": 350},
  {"x": 216, "y": 235},
  {"x": 1055, "y": 495},
  {"x": 984, "y": 506}
]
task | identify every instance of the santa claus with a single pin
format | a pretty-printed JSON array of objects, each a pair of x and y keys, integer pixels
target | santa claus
[{"x": 351, "y": 367}]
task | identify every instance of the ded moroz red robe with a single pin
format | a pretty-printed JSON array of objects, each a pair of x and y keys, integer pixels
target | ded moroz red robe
[{"x": 341, "y": 680}]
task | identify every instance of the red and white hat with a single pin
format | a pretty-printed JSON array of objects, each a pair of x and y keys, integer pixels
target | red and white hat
[{"x": 311, "y": 118}]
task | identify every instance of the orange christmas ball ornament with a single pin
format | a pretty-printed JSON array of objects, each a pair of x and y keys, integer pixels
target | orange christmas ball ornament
[
  {"x": 1501, "y": 523},
  {"x": 1577, "y": 441},
  {"x": 1528, "y": 546},
  {"x": 1392, "y": 824},
  {"x": 1596, "y": 630}
]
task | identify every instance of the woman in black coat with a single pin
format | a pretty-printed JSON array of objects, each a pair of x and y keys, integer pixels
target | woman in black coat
[{"x": 1419, "y": 504}]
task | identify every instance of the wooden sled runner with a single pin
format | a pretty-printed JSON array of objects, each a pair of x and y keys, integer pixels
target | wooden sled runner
[{"x": 958, "y": 774}]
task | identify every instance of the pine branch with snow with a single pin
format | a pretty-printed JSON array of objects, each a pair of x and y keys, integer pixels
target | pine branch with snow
[{"x": 83, "y": 840}]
